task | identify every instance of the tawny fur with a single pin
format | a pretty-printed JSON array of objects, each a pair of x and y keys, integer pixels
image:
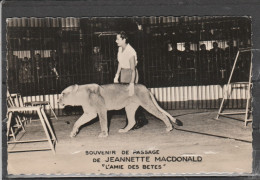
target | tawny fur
[{"x": 97, "y": 100}]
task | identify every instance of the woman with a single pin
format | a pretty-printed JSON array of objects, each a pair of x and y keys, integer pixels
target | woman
[{"x": 127, "y": 61}]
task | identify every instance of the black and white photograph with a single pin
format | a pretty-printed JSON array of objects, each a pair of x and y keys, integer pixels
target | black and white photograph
[{"x": 129, "y": 95}]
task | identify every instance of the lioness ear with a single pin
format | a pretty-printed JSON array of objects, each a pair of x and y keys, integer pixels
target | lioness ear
[
  {"x": 75, "y": 88},
  {"x": 67, "y": 90}
]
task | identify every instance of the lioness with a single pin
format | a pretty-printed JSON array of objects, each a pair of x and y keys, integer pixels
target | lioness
[{"x": 97, "y": 100}]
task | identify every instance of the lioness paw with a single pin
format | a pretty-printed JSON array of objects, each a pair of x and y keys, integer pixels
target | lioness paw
[
  {"x": 168, "y": 129},
  {"x": 103, "y": 134}
]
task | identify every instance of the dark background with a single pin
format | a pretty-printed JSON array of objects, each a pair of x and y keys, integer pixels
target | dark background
[
  {"x": 143, "y": 8},
  {"x": 37, "y": 45}
]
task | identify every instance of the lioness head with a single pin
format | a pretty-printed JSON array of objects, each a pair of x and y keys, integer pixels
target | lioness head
[{"x": 69, "y": 96}]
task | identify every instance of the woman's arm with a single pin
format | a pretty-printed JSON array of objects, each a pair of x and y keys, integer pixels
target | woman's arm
[
  {"x": 117, "y": 73},
  {"x": 132, "y": 67},
  {"x": 118, "y": 69}
]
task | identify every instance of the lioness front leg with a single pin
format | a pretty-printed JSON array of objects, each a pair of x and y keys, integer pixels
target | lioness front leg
[
  {"x": 130, "y": 112},
  {"x": 86, "y": 117}
]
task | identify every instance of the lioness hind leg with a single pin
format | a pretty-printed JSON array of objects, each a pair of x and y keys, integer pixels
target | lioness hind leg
[
  {"x": 86, "y": 117},
  {"x": 103, "y": 123},
  {"x": 151, "y": 108},
  {"x": 130, "y": 112}
]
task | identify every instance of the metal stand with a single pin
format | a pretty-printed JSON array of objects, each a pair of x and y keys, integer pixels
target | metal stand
[
  {"x": 227, "y": 94},
  {"x": 41, "y": 103},
  {"x": 50, "y": 136}
]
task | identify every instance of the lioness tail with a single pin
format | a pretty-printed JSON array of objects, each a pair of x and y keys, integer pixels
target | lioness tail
[{"x": 176, "y": 121}]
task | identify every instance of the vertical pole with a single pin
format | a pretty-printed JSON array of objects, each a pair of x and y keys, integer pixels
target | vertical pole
[
  {"x": 9, "y": 123},
  {"x": 49, "y": 126},
  {"x": 230, "y": 77},
  {"x": 45, "y": 129},
  {"x": 248, "y": 93},
  {"x": 52, "y": 110}
]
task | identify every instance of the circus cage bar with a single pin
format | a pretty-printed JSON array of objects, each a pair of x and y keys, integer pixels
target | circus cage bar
[{"x": 45, "y": 55}]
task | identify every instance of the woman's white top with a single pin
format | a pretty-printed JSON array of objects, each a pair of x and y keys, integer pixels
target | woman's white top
[{"x": 125, "y": 56}]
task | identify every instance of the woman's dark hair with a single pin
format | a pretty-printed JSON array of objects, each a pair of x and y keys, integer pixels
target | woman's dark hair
[{"x": 123, "y": 35}]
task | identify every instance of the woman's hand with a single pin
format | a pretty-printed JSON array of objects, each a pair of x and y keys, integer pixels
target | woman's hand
[
  {"x": 116, "y": 78},
  {"x": 117, "y": 73},
  {"x": 131, "y": 89}
]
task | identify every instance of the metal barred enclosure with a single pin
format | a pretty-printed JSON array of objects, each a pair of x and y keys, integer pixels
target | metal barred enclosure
[{"x": 186, "y": 61}]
